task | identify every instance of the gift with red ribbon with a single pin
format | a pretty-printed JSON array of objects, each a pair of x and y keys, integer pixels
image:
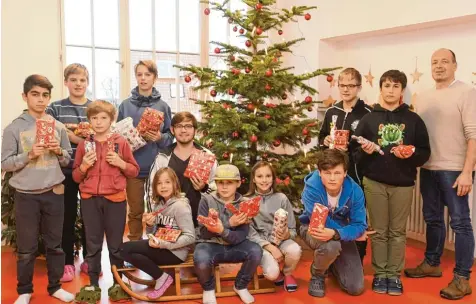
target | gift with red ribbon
[
  {"x": 200, "y": 165},
  {"x": 150, "y": 120}
]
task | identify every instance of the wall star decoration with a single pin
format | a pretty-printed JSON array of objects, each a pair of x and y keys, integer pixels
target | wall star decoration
[
  {"x": 369, "y": 78},
  {"x": 329, "y": 101},
  {"x": 416, "y": 74}
]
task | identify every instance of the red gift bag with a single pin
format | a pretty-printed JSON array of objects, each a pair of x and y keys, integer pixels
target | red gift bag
[
  {"x": 319, "y": 216},
  {"x": 200, "y": 165},
  {"x": 150, "y": 120},
  {"x": 45, "y": 131}
]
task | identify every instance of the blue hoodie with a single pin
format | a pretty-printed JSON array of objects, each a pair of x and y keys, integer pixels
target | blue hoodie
[
  {"x": 349, "y": 217},
  {"x": 133, "y": 107}
]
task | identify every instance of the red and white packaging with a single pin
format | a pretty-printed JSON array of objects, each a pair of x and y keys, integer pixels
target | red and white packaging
[
  {"x": 405, "y": 150},
  {"x": 211, "y": 219},
  {"x": 150, "y": 120},
  {"x": 279, "y": 225},
  {"x": 250, "y": 207},
  {"x": 168, "y": 234},
  {"x": 127, "y": 130},
  {"x": 84, "y": 129},
  {"x": 319, "y": 216},
  {"x": 45, "y": 131},
  {"x": 341, "y": 138},
  {"x": 200, "y": 165}
]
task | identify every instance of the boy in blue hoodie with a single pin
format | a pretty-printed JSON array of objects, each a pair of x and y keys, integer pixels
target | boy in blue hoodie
[
  {"x": 144, "y": 96},
  {"x": 334, "y": 246}
]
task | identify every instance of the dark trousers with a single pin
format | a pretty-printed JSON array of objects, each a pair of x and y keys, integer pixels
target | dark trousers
[
  {"x": 35, "y": 214},
  {"x": 71, "y": 190},
  {"x": 147, "y": 258},
  {"x": 340, "y": 257},
  {"x": 207, "y": 255},
  {"x": 100, "y": 216},
  {"x": 437, "y": 192}
]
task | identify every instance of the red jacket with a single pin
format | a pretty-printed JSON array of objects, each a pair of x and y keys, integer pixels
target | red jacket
[{"x": 103, "y": 178}]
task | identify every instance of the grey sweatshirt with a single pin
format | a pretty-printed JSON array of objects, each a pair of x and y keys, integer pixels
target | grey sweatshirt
[
  {"x": 262, "y": 224},
  {"x": 230, "y": 235},
  {"x": 176, "y": 214},
  {"x": 38, "y": 175}
]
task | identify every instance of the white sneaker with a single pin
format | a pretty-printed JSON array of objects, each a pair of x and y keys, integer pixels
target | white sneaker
[
  {"x": 63, "y": 295},
  {"x": 23, "y": 298},
  {"x": 209, "y": 297},
  {"x": 245, "y": 295}
]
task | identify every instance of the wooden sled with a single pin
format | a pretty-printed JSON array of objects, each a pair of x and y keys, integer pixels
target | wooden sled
[{"x": 258, "y": 285}]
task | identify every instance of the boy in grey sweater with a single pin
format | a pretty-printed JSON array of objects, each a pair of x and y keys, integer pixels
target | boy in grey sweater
[{"x": 37, "y": 178}]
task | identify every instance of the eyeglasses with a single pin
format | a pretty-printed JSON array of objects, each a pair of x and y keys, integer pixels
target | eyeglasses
[
  {"x": 349, "y": 86},
  {"x": 186, "y": 127}
]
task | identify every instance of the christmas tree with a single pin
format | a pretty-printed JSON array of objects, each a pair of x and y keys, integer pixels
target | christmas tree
[{"x": 248, "y": 113}]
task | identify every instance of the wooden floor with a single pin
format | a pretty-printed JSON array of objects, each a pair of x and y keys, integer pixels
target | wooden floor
[{"x": 417, "y": 291}]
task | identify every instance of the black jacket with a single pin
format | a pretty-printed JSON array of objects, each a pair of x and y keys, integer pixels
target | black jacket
[
  {"x": 389, "y": 129},
  {"x": 345, "y": 121}
]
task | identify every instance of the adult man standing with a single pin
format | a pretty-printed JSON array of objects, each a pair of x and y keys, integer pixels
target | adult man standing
[{"x": 449, "y": 112}]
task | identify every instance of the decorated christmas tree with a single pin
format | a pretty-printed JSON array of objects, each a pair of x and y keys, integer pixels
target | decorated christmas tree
[{"x": 249, "y": 112}]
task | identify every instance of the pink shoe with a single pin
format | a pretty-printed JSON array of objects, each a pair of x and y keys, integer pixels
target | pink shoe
[
  {"x": 280, "y": 280},
  {"x": 157, "y": 293},
  {"x": 290, "y": 283},
  {"x": 68, "y": 274},
  {"x": 85, "y": 268}
]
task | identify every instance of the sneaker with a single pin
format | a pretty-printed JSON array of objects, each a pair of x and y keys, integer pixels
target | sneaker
[
  {"x": 423, "y": 270},
  {"x": 290, "y": 283},
  {"x": 209, "y": 297},
  {"x": 379, "y": 285},
  {"x": 394, "y": 287},
  {"x": 117, "y": 294},
  {"x": 23, "y": 299},
  {"x": 88, "y": 295},
  {"x": 457, "y": 288},
  {"x": 85, "y": 268},
  {"x": 68, "y": 274},
  {"x": 157, "y": 293},
  {"x": 280, "y": 280},
  {"x": 317, "y": 286}
]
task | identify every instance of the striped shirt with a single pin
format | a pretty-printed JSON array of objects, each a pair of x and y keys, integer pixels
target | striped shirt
[{"x": 68, "y": 113}]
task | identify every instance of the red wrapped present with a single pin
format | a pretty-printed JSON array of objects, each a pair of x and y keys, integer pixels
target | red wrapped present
[
  {"x": 232, "y": 208},
  {"x": 168, "y": 234},
  {"x": 211, "y": 219},
  {"x": 127, "y": 130},
  {"x": 84, "y": 129},
  {"x": 319, "y": 216},
  {"x": 150, "y": 120},
  {"x": 45, "y": 131},
  {"x": 71, "y": 126},
  {"x": 200, "y": 165},
  {"x": 251, "y": 207},
  {"x": 341, "y": 138},
  {"x": 405, "y": 150},
  {"x": 279, "y": 225}
]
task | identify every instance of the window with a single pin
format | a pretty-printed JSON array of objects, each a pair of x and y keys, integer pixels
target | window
[{"x": 92, "y": 38}]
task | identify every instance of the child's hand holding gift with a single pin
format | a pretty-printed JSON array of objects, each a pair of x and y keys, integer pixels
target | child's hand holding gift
[
  {"x": 275, "y": 252},
  {"x": 88, "y": 161},
  {"x": 283, "y": 234},
  {"x": 216, "y": 228},
  {"x": 153, "y": 135},
  {"x": 238, "y": 219},
  {"x": 322, "y": 234},
  {"x": 36, "y": 150},
  {"x": 149, "y": 219},
  {"x": 54, "y": 146},
  {"x": 115, "y": 160}
]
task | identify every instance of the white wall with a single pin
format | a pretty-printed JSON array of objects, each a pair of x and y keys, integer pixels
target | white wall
[{"x": 30, "y": 45}]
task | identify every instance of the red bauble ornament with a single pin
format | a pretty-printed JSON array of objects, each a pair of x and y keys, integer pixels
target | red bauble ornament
[
  {"x": 250, "y": 107},
  {"x": 275, "y": 59},
  {"x": 226, "y": 106},
  {"x": 305, "y": 131},
  {"x": 310, "y": 109},
  {"x": 187, "y": 79},
  {"x": 243, "y": 180},
  {"x": 247, "y": 70},
  {"x": 259, "y": 6},
  {"x": 307, "y": 16},
  {"x": 307, "y": 140},
  {"x": 213, "y": 93},
  {"x": 248, "y": 43},
  {"x": 267, "y": 116},
  {"x": 235, "y": 29},
  {"x": 330, "y": 78},
  {"x": 236, "y": 71},
  {"x": 270, "y": 105},
  {"x": 265, "y": 155},
  {"x": 217, "y": 50},
  {"x": 230, "y": 21},
  {"x": 225, "y": 155},
  {"x": 242, "y": 31},
  {"x": 206, "y": 11},
  {"x": 235, "y": 134},
  {"x": 284, "y": 96},
  {"x": 253, "y": 138},
  {"x": 231, "y": 92},
  {"x": 259, "y": 31},
  {"x": 231, "y": 58},
  {"x": 308, "y": 99},
  {"x": 269, "y": 73},
  {"x": 280, "y": 32},
  {"x": 276, "y": 142},
  {"x": 267, "y": 87}
]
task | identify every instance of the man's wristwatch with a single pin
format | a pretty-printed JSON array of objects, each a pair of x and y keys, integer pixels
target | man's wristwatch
[{"x": 336, "y": 236}]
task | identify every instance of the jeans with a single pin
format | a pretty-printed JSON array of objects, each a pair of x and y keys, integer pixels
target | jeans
[
  {"x": 292, "y": 254},
  {"x": 341, "y": 258},
  {"x": 207, "y": 255},
  {"x": 437, "y": 191}
]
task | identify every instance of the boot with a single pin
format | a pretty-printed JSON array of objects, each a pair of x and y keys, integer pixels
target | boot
[
  {"x": 457, "y": 288},
  {"x": 423, "y": 270}
]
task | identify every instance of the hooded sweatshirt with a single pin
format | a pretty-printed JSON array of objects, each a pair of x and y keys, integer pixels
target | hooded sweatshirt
[
  {"x": 38, "y": 175},
  {"x": 345, "y": 121},
  {"x": 133, "y": 107},
  {"x": 102, "y": 178},
  {"x": 175, "y": 214},
  {"x": 262, "y": 224},
  {"x": 348, "y": 218},
  {"x": 230, "y": 235},
  {"x": 389, "y": 129}
]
